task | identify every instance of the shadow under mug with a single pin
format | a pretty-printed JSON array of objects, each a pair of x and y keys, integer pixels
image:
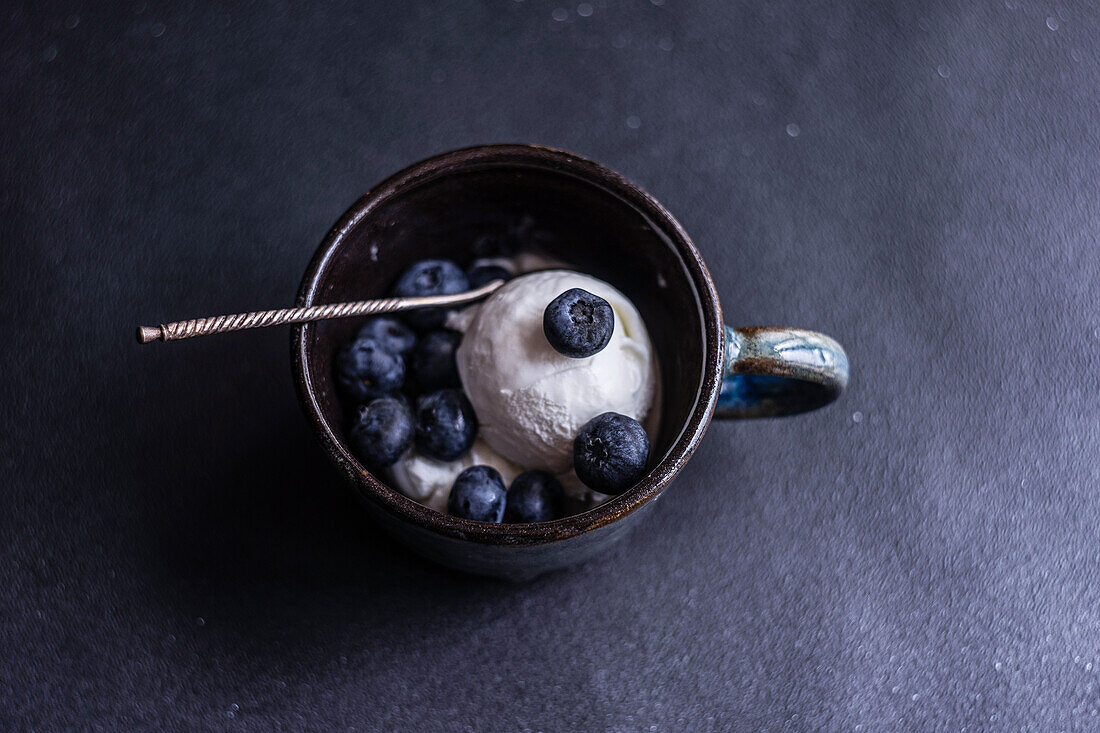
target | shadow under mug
[{"x": 479, "y": 200}]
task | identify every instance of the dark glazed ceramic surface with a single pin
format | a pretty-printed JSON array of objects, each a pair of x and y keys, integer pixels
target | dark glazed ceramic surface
[
  {"x": 771, "y": 372},
  {"x": 577, "y": 211}
]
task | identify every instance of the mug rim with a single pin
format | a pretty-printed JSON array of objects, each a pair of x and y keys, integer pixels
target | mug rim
[{"x": 537, "y": 157}]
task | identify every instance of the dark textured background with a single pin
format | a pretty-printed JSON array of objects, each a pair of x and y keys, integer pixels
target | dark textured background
[{"x": 924, "y": 554}]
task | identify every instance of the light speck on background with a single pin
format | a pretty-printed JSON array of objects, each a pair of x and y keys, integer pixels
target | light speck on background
[
  {"x": 1052, "y": 23},
  {"x": 943, "y": 70},
  {"x": 633, "y": 122},
  {"x": 794, "y": 130},
  {"x": 857, "y": 417}
]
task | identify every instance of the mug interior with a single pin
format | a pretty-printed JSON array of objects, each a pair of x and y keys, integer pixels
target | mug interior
[{"x": 571, "y": 210}]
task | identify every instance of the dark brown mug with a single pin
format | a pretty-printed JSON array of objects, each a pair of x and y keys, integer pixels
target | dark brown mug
[{"x": 603, "y": 225}]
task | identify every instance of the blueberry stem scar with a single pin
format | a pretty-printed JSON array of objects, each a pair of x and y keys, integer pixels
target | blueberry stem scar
[{"x": 260, "y": 319}]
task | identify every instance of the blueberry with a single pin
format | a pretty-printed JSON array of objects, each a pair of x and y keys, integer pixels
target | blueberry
[
  {"x": 365, "y": 369},
  {"x": 534, "y": 496},
  {"x": 403, "y": 399},
  {"x": 394, "y": 335},
  {"x": 480, "y": 275},
  {"x": 478, "y": 494},
  {"x": 445, "y": 424},
  {"x": 430, "y": 277},
  {"x": 610, "y": 453},
  {"x": 578, "y": 324},
  {"x": 433, "y": 361},
  {"x": 383, "y": 431}
]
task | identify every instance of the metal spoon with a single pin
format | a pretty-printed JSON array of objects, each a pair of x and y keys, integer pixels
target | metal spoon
[{"x": 259, "y": 319}]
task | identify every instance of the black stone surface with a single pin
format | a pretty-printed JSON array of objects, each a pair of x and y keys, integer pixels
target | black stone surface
[{"x": 917, "y": 180}]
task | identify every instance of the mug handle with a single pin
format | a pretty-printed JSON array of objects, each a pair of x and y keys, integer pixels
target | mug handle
[{"x": 779, "y": 371}]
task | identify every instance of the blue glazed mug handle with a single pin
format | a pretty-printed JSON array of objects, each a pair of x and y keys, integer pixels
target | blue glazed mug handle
[{"x": 779, "y": 371}]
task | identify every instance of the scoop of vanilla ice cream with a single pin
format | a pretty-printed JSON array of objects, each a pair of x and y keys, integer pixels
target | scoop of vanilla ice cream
[
  {"x": 429, "y": 481},
  {"x": 530, "y": 400}
]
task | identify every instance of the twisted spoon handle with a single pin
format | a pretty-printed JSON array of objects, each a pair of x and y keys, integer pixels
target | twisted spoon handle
[{"x": 259, "y": 319}]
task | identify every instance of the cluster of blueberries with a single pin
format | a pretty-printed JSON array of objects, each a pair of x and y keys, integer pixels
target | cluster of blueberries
[{"x": 402, "y": 375}]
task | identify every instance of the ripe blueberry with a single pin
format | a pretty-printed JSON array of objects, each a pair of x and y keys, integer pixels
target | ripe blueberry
[
  {"x": 365, "y": 370},
  {"x": 433, "y": 361},
  {"x": 391, "y": 333},
  {"x": 610, "y": 453},
  {"x": 430, "y": 277},
  {"x": 534, "y": 496},
  {"x": 382, "y": 432},
  {"x": 480, "y": 275},
  {"x": 578, "y": 324},
  {"x": 445, "y": 424},
  {"x": 478, "y": 494}
]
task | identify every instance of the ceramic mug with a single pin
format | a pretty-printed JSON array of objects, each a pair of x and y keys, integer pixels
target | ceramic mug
[{"x": 594, "y": 219}]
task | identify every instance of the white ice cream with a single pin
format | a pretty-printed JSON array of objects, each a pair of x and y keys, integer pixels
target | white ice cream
[
  {"x": 429, "y": 481},
  {"x": 530, "y": 400},
  {"x": 621, "y": 378}
]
